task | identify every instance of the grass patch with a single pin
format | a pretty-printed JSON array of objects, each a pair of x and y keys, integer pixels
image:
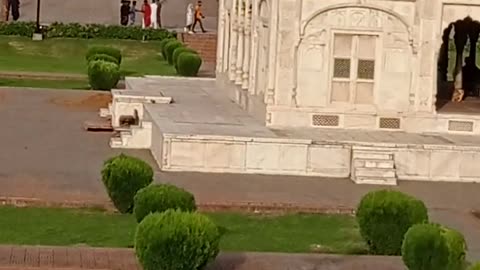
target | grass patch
[
  {"x": 52, "y": 84},
  {"x": 68, "y": 55},
  {"x": 288, "y": 233}
]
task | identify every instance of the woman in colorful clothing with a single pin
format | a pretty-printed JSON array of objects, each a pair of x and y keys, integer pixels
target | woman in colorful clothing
[{"x": 147, "y": 14}]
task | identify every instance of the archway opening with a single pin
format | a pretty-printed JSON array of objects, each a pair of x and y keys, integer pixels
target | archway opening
[{"x": 458, "y": 78}]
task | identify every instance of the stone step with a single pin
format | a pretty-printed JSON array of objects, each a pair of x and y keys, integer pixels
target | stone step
[
  {"x": 388, "y": 181},
  {"x": 374, "y": 172},
  {"x": 104, "y": 112},
  {"x": 374, "y": 163},
  {"x": 372, "y": 155},
  {"x": 116, "y": 142}
]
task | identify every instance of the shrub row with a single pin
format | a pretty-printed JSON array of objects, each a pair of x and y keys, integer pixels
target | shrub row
[
  {"x": 76, "y": 30},
  {"x": 394, "y": 223},
  {"x": 103, "y": 67},
  {"x": 170, "y": 234},
  {"x": 187, "y": 62}
]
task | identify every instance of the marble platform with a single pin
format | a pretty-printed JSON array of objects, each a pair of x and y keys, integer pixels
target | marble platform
[{"x": 202, "y": 130}]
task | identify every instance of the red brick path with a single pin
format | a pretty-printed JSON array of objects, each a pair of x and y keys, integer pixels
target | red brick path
[
  {"x": 76, "y": 258},
  {"x": 26, "y": 257}
]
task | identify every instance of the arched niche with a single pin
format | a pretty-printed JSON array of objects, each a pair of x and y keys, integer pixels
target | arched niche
[{"x": 392, "y": 56}]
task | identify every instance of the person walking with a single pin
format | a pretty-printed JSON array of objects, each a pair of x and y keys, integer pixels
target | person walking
[
  {"x": 153, "y": 15},
  {"x": 14, "y": 7},
  {"x": 124, "y": 12},
  {"x": 147, "y": 15},
  {"x": 133, "y": 13},
  {"x": 189, "y": 19},
  {"x": 198, "y": 17}
]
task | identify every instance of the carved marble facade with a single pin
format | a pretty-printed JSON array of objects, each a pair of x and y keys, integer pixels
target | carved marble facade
[{"x": 361, "y": 63}]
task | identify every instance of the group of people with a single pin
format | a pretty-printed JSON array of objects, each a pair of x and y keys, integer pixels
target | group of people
[
  {"x": 13, "y": 7},
  {"x": 151, "y": 15}
]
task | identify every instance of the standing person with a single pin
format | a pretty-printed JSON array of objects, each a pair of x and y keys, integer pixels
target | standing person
[
  {"x": 14, "y": 6},
  {"x": 147, "y": 14},
  {"x": 124, "y": 11},
  {"x": 153, "y": 16},
  {"x": 189, "y": 14},
  {"x": 198, "y": 17},
  {"x": 133, "y": 13}
]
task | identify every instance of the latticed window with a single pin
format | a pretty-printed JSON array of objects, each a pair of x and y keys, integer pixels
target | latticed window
[{"x": 353, "y": 68}]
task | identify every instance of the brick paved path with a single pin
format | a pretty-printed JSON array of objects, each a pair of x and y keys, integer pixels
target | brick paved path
[{"x": 63, "y": 258}]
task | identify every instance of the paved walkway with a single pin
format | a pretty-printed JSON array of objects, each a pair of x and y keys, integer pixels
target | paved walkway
[
  {"x": 63, "y": 258},
  {"x": 108, "y": 12},
  {"x": 45, "y": 154}
]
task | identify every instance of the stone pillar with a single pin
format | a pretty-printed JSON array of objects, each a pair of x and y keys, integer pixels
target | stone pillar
[
  {"x": 246, "y": 54},
  {"x": 460, "y": 42},
  {"x": 240, "y": 42},
  {"x": 220, "y": 36},
  {"x": 270, "y": 93},
  {"x": 226, "y": 41},
  {"x": 443, "y": 57},
  {"x": 233, "y": 40}
]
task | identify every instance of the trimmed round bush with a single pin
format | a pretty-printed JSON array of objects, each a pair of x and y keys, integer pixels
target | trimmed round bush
[
  {"x": 189, "y": 64},
  {"x": 103, "y": 75},
  {"x": 160, "y": 198},
  {"x": 170, "y": 48},
  {"x": 385, "y": 216},
  {"x": 113, "y": 52},
  {"x": 162, "y": 45},
  {"x": 104, "y": 57},
  {"x": 457, "y": 247},
  {"x": 425, "y": 248},
  {"x": 123, "y": 176},
  {"x": 175, "y": 240},
  {"x": 179, "y": 51}
]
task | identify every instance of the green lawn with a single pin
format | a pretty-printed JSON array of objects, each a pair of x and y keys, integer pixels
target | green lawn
[
  {"x": 289, "y": 233},
  {"x": 68, "y": 55},
  {"x": 52, "y": 84}
]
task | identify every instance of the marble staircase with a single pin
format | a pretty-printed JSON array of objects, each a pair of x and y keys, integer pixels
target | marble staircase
[{"x": 373, "y": 165}]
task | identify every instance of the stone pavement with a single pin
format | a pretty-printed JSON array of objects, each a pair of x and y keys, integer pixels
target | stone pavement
[
  {"x": 108, "y": 12},
  {"x": 45, "y": 154},
  {"x": 63, "y": 258}
]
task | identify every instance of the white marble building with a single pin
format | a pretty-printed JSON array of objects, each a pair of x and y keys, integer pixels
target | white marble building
[{"x": 355, "y": 64}]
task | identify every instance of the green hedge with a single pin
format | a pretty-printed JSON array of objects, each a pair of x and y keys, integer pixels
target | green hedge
[
  {"x": 162, "y": 45},
  {"x": 457, "y": 247},
  {"x": 75, "y": 30},
  {"x": 189, "y": 64},
  {"x": 103, "y": 75},
  {"x": 385, "y": 216},
  {"x": 113, "y": 52},
  {"x": 177, "y": 52},
  {"x": 160, "y": 198},
  {"x": 103, "y": 57},
  {"x": 123, "y": 176},
  {"x": 424, "y": 248},
  {"x": 175, "y": 240},
  {"x": 170, "y": 48}
]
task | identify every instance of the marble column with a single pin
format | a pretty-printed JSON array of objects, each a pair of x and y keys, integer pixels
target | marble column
[
  {"x": 443, "y": 57},
  {"x": 460, "y": 42},
  {"x": 246, "y": 54},
  {"x": 233, "y": 40},
  {"x": 240, "y": 42},
  {"x": 221, "y": 36}
]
